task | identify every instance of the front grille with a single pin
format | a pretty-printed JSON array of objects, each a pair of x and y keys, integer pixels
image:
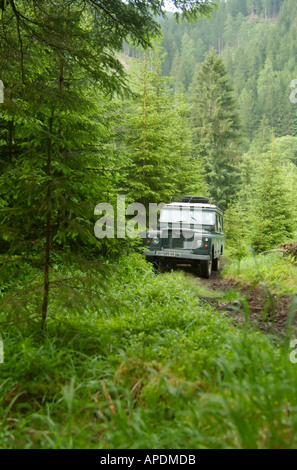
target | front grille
[
  {"x": 173, "y": 242},
  {"x": 177, "y": 242}
]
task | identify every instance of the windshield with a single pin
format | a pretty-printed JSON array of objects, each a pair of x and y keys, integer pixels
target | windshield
[{"x": 187, "y": 215}]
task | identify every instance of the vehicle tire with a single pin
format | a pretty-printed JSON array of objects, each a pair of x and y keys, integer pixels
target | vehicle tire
[
  {"x": 155, "y": 263},
  {"x": 216, "y": 264},
  {"x": 206, "y": 268},
  {"x": 195, "y": 269}
]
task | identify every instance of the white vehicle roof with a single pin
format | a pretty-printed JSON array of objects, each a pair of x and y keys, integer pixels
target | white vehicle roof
[{"x": 190, "y": 204}]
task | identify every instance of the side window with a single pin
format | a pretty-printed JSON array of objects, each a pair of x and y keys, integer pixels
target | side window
[{"x": 220, "y": 223}]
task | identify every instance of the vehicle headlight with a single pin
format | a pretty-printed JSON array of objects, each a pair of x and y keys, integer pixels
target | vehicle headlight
[
  {"x": 198, "y": 243},
  {"x": 155, "y": 241}
]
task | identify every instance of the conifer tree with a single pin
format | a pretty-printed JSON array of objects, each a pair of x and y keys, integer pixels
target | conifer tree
[
  {"x": 58, "y": 62},
  {"x": 236, "y": 223},
  {"x": 247, "y": 103},
  {"x": 158, "y": 139},
  {"x": 272, "y": 214},
  {"x": 216, "y": 127}
]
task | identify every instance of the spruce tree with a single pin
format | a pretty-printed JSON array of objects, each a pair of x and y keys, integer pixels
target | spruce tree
[
  {"x": 246, "y": 101},
  {"x": 158, "y": 139},
  {"x": 58, "y": 62},
  {"x": 272, "y": 214},
  {"x": 216, "y": 127}
]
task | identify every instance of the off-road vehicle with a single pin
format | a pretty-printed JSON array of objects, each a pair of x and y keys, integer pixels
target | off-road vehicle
[{"x": 190, "y": 232}]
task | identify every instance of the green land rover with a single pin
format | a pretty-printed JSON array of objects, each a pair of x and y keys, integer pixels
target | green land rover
[{"x": 190, "y": 232}]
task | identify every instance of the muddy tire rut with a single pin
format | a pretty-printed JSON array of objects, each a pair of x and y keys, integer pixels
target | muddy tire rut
[{"x": 267, "y": 310}]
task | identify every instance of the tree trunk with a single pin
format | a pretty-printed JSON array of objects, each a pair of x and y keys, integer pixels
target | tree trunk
[{"x": 47, "y": 232}]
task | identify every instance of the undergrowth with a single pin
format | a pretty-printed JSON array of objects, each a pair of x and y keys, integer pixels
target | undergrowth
[
  {"x": 278, "y": 272},
  {"x": 154, "y": 366}
]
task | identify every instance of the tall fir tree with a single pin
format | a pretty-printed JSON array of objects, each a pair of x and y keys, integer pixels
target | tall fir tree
[
  {"x": 57, "y": 58},
  {"x": 216, "y": 127},
  {"x": 272, "y": 219},
  {"x": 158, "y": 138}
]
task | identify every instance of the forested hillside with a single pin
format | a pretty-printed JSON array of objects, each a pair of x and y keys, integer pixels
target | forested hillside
[
  {"x": 116, "y": 102},
  {"x": 257, "y": 39},
  {"x": 257, "y": 43}
]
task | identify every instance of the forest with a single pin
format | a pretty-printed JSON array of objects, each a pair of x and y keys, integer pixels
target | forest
[{"x": 101, "y": 100}]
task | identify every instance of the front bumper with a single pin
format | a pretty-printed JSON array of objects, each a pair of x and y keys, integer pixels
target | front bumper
[{"x": 178, "y": 255}]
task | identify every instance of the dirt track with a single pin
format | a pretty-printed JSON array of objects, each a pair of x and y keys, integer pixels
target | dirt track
[{"x": 268, "y": 312}]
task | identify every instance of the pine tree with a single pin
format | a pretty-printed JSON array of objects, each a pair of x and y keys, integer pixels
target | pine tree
[
  {"x": 216, "y": 127},
  {"x": 237, "y": 227},
  {"x": 272, "y": 215},
  {"x": 158, "y": 139},
  {"x": 58, "y": 62},
  {"x": 246, "y": 101},
  {"x": 177, "y": 74},
  {"x": 230, "y": 31},
  {"x": 54, "y": 128},
  {"x": 54, "y": 176}
]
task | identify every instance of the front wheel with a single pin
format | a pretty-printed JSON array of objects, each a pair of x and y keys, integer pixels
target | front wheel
[
  {"x": 205, "y": 268},
  {"x": 216, "y": 264},
  {"x": 157, "y": 264}
]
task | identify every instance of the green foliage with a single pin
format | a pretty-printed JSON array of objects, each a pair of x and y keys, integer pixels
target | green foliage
[
  {"x": 286, "y": 147},
  {"x": 158, "y": 139},
  {"x": 258, "y": 42},
  {"x": 273, "y": 218},
  {"x": 216, "y": 127},
  {"x": 276, "y": 271},
  {"x": 56, "y": 123},
  {"x": 236, "y": 228},
  {"x": 157, "y": 368},
  {"x": 130, "y": 358},
  {"x": 263, "y": 213}
]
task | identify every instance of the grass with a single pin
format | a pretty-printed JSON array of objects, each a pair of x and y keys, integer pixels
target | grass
[
  {"x": 276, "y": 271},
  {"x": 156, "y": 367}
]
